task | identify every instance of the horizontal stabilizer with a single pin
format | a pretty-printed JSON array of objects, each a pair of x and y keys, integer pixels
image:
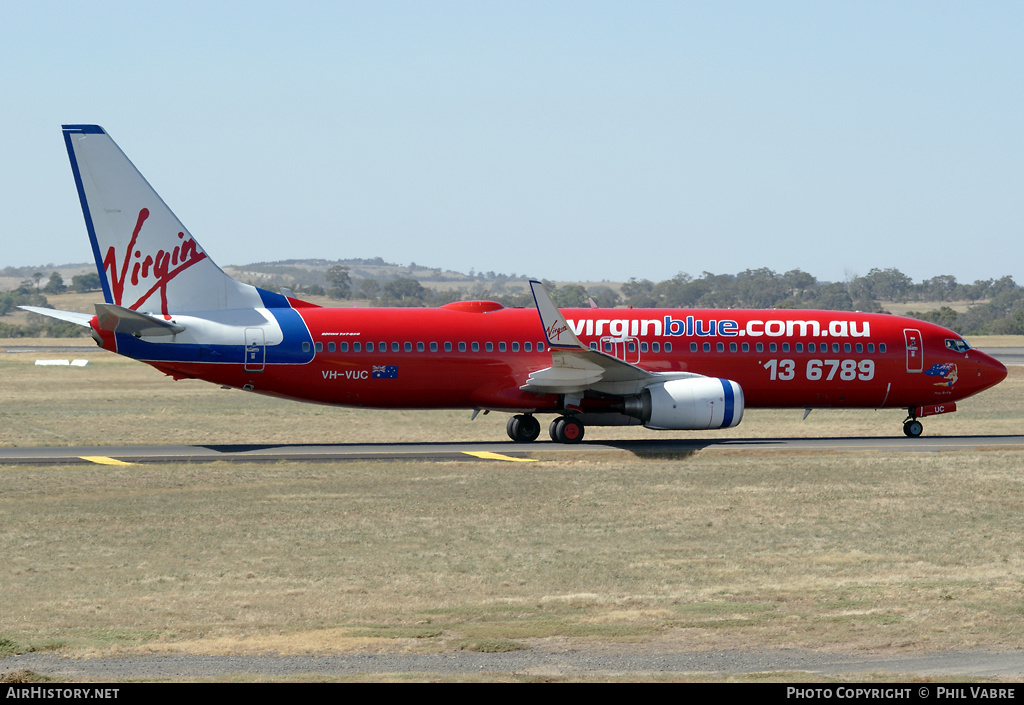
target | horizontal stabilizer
[
  {"x": 124, "y": 320},
  {"x": 81, "y": 319}
]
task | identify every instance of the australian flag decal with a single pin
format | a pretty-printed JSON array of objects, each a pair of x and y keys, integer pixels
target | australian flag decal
[
  {"x": 384, "y": 372},
  {"x": 945, "y": 370}
]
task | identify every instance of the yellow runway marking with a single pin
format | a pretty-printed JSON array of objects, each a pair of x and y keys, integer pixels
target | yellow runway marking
[
  {"x": 103, "y": 460},
  {"x": 487, "y": 455}
]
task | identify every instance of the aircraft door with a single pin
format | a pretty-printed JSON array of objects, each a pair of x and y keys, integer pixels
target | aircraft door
[
  {"x": 915, "y": 351},
  {"x": 255, "y": 349}
]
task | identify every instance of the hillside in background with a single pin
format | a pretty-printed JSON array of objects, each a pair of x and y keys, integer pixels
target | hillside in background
[{"x": 992, "y": 306}]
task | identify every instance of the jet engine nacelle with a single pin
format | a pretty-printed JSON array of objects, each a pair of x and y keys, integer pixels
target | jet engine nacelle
[{"x": 688, "y": 404}]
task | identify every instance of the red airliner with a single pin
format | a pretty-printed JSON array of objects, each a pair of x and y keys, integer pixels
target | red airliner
[{"x": 167, "y": 304}]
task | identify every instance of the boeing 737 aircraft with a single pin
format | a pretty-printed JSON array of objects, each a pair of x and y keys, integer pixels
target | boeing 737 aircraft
[{"x": 167, "y": 304}]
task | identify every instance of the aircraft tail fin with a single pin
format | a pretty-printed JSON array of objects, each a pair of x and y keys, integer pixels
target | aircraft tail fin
[{"x": 147, "y": 260}]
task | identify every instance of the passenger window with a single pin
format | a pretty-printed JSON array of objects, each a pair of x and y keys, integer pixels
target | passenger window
[
  {"x": 394, "y": 347},
  {"x": 462, "y": 347},
  {"x": 835, "y": 347},
  {"x": 668, "y": 347},
  {"x": 501, "y": 347},
  {"x": 732, "y": 347},
  {"x": 693, "y": 347},
  {"x": 357, "y": 347},
  {"x": 720, "y": 347},
  {"x": 772, "y": 347},
  {"x": 746, "y": 347},
  {"x": 846, "y": 347},
  {"x": 515, "y": 347},
  {"x": 447, "y": 347},
  {"x": 433, "y": 347},
  {"x": 305, "y": 347},
  {"x": 707, "y": 347},
  {"x": 476, "y": 347},
  {"x": 881, "y": 347},
  {"x": 330, "y": 347},
  {"x": 420, "y": 347},
  {"x": 759, "y": 347},
  {"x": 527, "y": 347},
  {"x": 319, "y": 347},
  {"x": 655, "y": 347},
  {"x": 489, "y": 347}
]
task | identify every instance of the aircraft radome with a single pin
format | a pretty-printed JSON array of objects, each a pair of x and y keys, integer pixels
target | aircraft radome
[{"x": 167, "y": 304}]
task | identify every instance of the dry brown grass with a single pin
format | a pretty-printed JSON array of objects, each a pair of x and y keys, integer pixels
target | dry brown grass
[
  {"x": 819, "y": 550},
  {"x": 832, "y": 550}
]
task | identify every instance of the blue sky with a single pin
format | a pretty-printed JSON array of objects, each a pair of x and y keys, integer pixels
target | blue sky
[{"x": 564, "y": 140}]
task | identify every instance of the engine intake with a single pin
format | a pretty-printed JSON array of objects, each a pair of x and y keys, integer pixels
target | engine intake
[{"x": 688, "y": 404}]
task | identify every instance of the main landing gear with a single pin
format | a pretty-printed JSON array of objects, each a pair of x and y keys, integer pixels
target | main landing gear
[
  {"x": 524, "y": 428},
  {"x": 566, "y": 429}
]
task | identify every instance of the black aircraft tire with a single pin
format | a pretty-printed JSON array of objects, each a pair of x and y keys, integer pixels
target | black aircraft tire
[
  {"x": 554, "y": 431},
  {"x": 528, "y": 428},
  {"x": 913, "y": 428},
  {"x": 570, "y": 431}
]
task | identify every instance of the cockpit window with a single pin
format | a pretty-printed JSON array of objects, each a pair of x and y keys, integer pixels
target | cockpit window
[{"x": 957, "y": 345}]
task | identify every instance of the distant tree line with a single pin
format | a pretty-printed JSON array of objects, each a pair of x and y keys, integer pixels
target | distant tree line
[{"x": 996, "y": 305}]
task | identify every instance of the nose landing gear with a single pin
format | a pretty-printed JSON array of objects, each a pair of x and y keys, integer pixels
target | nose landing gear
[{"x": 912, "y": 427}]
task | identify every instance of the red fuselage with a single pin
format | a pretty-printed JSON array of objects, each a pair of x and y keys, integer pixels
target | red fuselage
[{"x": 477, "y": 355}]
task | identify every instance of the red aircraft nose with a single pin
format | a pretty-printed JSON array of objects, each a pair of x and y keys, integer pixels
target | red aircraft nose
[{"x": 990, "y": 371}]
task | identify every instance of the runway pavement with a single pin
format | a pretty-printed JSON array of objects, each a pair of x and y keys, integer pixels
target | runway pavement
[{"x": 497, "y": 452}]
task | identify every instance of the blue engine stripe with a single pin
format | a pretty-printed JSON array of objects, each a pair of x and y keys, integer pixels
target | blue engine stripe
[{"x": 730, "y": 403}]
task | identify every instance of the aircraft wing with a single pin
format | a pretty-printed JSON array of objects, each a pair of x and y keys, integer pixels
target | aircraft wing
[{"x": 576, "y": 368}]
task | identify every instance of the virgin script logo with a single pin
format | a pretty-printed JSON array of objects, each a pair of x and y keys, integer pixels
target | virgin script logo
[
  {"x": 555, "y": 331},
  {"x": 160, "y": 269}
]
